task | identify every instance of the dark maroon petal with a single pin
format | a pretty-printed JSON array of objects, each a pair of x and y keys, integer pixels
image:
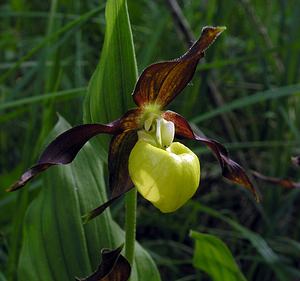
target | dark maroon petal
[
  {"x": 182, "y": 127},
  {"x": 28, "y": 175},
  {"x": 131, "y": 119},
  {"x": 286, "y": 183},
  {"x": 64, "y": 149},
  {"x": 161, "y": 82},
  {"x": 113, "y": 267},
  {"x": 230, "y": 169},
  {"x": 99, "y": 210},
  {"x": 119, "y": 179},
  {"x": 120, "y": 148}
]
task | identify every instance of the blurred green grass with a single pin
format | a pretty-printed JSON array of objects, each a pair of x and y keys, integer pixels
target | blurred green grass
[{"x": 246, "y": 94}]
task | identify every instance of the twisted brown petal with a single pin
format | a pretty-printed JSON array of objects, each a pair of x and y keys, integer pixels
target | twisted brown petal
[
  {"x": 64, "y": 149},
  {"x": 161, "y": 82},
  {"x": 286, "y": 183},
  {"x": 119, "y": 179},
  {"x": 230, "y": 169},
  {"x": 113, "y": 267},
  {"x": 120, "y": 148}
]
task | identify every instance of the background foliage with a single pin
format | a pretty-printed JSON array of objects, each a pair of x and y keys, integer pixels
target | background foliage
[{"x": 246, "y": 95}]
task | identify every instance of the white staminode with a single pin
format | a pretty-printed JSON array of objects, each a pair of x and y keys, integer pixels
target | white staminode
[
  {"x": 157, "y": 131},
  {"x": 165, "y": 131}
]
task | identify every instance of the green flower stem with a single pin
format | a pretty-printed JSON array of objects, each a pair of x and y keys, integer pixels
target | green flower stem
[{"x": 130, "y": 224}]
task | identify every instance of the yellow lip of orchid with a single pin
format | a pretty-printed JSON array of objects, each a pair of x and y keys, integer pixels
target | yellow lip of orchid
[
  {"x": 166, "y": 177},
  {"x": 165, "y": 173}
]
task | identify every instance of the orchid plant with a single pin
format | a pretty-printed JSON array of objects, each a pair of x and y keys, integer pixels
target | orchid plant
[
  {"x": 142, "y": 150},
  {"x": 143, "y": 153}
]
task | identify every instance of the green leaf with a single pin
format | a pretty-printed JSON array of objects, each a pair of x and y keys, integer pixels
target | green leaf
[
  {"x": 57, "y": 246},
  {"x": 270, "y": 257},
  {"x": 213, "y": 256},
  {"x": 109, "y": 91}
]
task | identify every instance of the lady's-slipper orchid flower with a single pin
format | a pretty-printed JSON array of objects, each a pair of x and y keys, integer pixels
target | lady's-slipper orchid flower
[{"x": 142, "y": 152}]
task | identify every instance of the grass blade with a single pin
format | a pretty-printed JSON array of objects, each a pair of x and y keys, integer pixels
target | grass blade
[{"x": 272, "y": 94}]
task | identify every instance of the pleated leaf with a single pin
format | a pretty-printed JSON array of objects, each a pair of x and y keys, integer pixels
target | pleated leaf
[
  {"x": 213, "y": 256},
  {"x": 109, "y": 91},
  {"x": 57, "y": 246}
]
